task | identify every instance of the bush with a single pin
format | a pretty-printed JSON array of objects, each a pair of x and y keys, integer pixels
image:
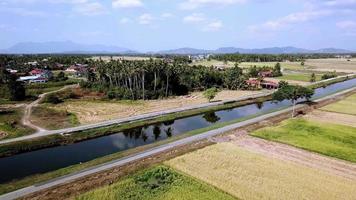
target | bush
[
  {"x": 329, "y": 75},
  {"x": 52, "y": 98}
]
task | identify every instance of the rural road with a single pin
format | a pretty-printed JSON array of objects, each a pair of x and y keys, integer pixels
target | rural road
[
  {"x": 150, "y": 152},
  {"x": 28, "y": 110}
]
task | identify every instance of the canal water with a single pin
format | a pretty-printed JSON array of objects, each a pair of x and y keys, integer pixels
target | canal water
[{"x": 45, "y": 160}]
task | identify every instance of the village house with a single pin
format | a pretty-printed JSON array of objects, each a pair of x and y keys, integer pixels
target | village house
[
  {"x": 257, "y": 84},
  {"x": 78, "y": 69},
  {"x": 265, "y": 74},
  {"x": 41, "y": 73}
]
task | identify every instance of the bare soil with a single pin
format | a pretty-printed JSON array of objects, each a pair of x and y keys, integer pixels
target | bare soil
[{"x": 97, "y": 111}]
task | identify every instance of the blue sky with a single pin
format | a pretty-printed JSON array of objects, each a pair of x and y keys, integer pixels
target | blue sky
[{"x": 146, "y": 25}]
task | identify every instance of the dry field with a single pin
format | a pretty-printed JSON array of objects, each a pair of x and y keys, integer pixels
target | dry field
[
  {"x": 292, "y": 82},
  {"x": 332, "y": 117},
  {"x": 250, "y": 175},
  {"x": 346, "y": 106},
  {"x": 96, "y": 111},
  {"x": 331, "y": 64}
]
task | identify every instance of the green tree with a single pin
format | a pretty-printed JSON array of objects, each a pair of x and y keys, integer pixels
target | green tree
[
  {"x": 312, "y": 78},
  {"x": 277, "y": 70},
  {"x": 234, "y": 78},
  {"x": 293, "y": 93},
  {"x": 210, "y": 93}
]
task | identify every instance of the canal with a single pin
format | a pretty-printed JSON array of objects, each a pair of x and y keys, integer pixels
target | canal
[{"x": 50, "y": 159}]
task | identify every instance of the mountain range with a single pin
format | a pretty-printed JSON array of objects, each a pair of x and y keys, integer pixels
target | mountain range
[{"x": 68, "y": 47}]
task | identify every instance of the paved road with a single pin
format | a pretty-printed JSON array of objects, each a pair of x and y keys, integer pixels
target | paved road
[
  {"x": 131, "y": 119},
  {"x": 150, "y": 152},
  {"x": 28, "y": 111}
]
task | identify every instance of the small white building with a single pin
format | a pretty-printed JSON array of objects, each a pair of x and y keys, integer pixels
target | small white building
[{"x": 33, "y": 79}]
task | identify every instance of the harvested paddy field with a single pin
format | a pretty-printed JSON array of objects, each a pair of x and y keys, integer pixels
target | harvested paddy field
[
  {"x": 332, "y": 117},
  {"x": 331, "y": 64},
  {"x": 346, "y": 106},
  {"x": 96, "y": 111},
  {"x": 333, "y": 140},
  {"x": 157, "y": 183},
  {"x": 249, "y": 175}
]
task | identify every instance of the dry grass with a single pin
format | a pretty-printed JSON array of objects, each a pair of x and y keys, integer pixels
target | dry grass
[
  {"x": 248, "y": 175},
  {"x": 346, "y": 106},
  {"x": 331, "y": 64},
  {"x": 332, "y": 117},
  {"x": 96, "y": 111}
]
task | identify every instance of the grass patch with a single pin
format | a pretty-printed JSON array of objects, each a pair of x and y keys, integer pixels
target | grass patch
[
  {"x": 345, "y": 106},
  {"x": 10, "y": 124},
  {"x": 299, "y": 77},
  {"x": 157, "y": 183},
  {"x": 53, "y": 119},
  {"x": 248, "y": 175},
  {"x": 329, "y": 139}
]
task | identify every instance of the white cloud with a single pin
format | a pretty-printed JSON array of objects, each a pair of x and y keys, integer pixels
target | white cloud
[
  {"x": 194, "y": 18},
  {"x": 291, "y": 19},
  {"x": 145, "y": 19},
  {"x": 125, "y": 20},
  {"x": 340, "y": 2},
  {"x": 93, "y": 8},
  {"x": 346, "y": 24},
  {"x": 193, "y": 4},
  {"x": 214, "y": 26},
  {"x": 126, "y": 3},
  {"x": 167, "y": 15}
]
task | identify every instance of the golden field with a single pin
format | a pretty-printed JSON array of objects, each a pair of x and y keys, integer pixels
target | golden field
[{"x": 248, "y": 175}]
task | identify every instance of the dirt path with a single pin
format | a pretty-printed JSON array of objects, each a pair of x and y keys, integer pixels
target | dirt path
[
  {"x": 26, "y": 119},
  {"x": 296, "y": 155}
]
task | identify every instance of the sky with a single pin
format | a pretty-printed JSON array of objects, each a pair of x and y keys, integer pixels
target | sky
[{"x": 151, "y": 25}]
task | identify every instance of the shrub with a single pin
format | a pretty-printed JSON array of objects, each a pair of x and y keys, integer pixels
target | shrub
[
  {"x": 52, "y": 98},
  {"x": 329, "y": 75}
]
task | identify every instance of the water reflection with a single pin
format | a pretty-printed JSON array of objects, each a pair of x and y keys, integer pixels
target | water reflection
[{"x": 211, "y": 117}]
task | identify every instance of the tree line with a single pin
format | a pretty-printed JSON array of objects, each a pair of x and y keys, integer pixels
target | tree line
[{"x": 154, "y": 79}]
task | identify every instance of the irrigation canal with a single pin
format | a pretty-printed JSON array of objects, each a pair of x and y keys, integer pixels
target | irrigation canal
[{"x": 50, "y": 159}]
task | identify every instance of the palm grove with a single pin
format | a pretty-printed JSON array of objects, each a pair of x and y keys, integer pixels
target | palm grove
[{"x": 157, "y": 78}]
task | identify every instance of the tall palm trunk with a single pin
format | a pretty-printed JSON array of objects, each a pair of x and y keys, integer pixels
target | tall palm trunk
[
  {"x": 143, "y": 85},
  {"x": 167, "y": 86}
]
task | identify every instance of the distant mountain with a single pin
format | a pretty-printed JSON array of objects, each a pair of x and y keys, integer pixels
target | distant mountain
[
  {"x": 68, "y": 47},
  {"x": 62, "y": 47},
  {"x": 272, "y": 50},
  {"x": 184, "y": 51}
]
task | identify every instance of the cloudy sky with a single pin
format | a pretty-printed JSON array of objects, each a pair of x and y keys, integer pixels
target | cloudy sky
[{"x": 165, "y": 24}]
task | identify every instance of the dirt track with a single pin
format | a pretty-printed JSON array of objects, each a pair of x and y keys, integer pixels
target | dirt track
[
  {"x": 26, "y": 119},
  {"x": 299, "y": 156}
]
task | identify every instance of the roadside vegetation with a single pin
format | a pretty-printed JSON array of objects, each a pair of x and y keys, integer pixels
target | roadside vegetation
[
  {"x": 345, "y": 106},
  {"x": 159, "y": 182},
  {"x": 333, "y": 140},
  {"x": 53, "y": 119},
  {"x": 10, "y": 124},
  {"x": 248, "y": 175}
]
